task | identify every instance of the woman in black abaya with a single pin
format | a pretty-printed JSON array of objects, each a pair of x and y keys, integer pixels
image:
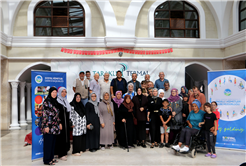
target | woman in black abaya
[{"x": 93, "y": 123}]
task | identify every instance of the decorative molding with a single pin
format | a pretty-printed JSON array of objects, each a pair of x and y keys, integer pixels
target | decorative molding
[
  {"x": 235, "y": 17},
  {"x": 6, "y": 40},
  {"x": 97, "y": 42},
  {"x": 192, "y": 2},
  {"x": 14, "y": 83},
  {"x": 29, "y": 66}
]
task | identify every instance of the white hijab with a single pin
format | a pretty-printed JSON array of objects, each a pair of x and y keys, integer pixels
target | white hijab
[
  {"x": 161, "y": 91},
  {"x": 63, "y": 100}
]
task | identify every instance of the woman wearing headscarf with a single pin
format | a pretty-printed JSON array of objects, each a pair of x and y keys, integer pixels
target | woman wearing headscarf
[
  {"x": 107, "y": 121},
  {"x": 194, "y": 118},
  {"x": 78, "y": 118},
  {"x": 127, "y": 113},
  {"x": 154, "y": 105},
  {"x": 161, "y": 94},
  {"x": 183, "y": 92},
  {"x": 63, "y": 140},
  {"x": 130, "y": 90},
  {"x": 117, "y": 101},
  {"x": 140, "y": 104},
  {"x": 177, "y": 119},
  {"x": 93, "y": 123},
  {"x": 51, "y": 126}
]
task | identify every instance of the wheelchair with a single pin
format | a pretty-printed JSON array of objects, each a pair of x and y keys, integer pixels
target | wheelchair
[{"x": 197, "y": 143}]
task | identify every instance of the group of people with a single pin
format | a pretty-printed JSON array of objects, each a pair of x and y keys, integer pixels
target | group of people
[{"x": 107, "y": 113}]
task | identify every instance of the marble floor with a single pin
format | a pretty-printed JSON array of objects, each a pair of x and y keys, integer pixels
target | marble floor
[{"x": 13, "y": 153}]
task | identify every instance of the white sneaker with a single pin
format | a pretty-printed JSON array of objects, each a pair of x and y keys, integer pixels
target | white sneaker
[
  {"x": 184, "y": 149},
  {"x": 176, "y": 147},
  {"x": 102, "y": 148}
]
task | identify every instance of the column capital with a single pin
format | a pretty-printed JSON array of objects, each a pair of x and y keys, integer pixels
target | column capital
[
  {"x": 22, "y": 84},
  {"x": 28, "y": 85},
  {"x": 14, "y": 84}
]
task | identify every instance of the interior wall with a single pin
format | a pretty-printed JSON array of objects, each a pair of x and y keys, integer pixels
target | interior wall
[
  {"x": 5, "y": 96},
  {"x": 3, "y": 50},
  {"x": 97, "y": 22},
  {"x": 211, "y": 28},
  {"x": 235, "y": 49},
  {"x": 120, "y": 8}
]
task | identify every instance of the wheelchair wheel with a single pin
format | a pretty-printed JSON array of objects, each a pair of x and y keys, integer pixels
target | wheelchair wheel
[{"x": 193, "y": 153}]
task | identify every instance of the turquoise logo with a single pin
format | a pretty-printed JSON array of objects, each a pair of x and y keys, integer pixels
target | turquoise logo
[
  {"x": 227, "y": 92},
  {"x": 124, "y": 67},
  {"x": 38, "y": 79}
]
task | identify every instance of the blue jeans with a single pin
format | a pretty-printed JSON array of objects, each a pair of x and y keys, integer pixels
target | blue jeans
[{"x": 84, "y": 101}]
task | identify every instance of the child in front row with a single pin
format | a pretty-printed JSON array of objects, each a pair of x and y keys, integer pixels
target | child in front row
[
  {"x": 210, "y": 124},
  {"x": 165, "y": 116}
]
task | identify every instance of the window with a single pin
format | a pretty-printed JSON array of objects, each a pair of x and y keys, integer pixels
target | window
[
  {"x": 242, "y": 15},
  {"x": 176, "y": 19},
  {"x": 59, "y": 18}
]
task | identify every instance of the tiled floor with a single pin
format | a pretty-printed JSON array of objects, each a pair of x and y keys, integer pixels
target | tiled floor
[{"x": 13, "y": 153}]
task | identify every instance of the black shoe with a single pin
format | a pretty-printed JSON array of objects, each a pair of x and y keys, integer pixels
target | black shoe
[
  {"x": 138, "y": 144},
  {"x": 167, "y": 145},
  {"x": 156, "y": 145},
  {"x": 92, "y": 150},
  {"x": 152, "y": 146},
  {"x": 143, "y": 145},
  {"x": 161, "y": 145},
  {"x": 115, "y": 145}
]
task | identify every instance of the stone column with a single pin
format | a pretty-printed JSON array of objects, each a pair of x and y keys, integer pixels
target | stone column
[
  {"x": 29, "y": 110},
  {"x": 22, "y": 104},
  {"x": 14, "y": 116}
]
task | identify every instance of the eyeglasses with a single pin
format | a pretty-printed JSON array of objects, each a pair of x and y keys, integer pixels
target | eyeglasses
[{"x": 93, "y": 96}]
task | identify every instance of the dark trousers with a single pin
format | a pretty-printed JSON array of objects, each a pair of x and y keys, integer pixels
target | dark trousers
[
  {"x": 49, "y": 147},
  {"x": 186, "y": 134},
  {"x": 172, "y": 135},
  {"x": 155, "y": 127},
  {"x": 211, "y": 140},
  {"x": 141, "y": 131},
  {"x": 79, "y": 144}
]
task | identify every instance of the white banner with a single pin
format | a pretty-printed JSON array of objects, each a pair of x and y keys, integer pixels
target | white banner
[{"x": 174, "y": 70}]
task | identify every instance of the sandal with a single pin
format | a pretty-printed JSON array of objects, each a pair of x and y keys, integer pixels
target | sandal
[
  {"x": 50, "y": 163},
  {"x": 152, "y": 146},
  {"x": 55, "y": 161}
]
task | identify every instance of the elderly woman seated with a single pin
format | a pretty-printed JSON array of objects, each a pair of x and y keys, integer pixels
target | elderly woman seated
[{"x": 193, "y": 120}]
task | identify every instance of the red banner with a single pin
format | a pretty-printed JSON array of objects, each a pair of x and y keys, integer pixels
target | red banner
[{"x": 111, "y": 51}]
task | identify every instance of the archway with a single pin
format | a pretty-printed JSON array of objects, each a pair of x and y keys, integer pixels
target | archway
[
  {"x": 24, "y": 91},
  {"x": 196, "y": 75}
]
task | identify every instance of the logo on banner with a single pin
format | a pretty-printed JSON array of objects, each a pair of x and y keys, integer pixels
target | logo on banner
[
  {"x": 229, "y": 139},
  {"x": 124, "y": 67},
  {"x": 38, "y": 79},
  {"x": 227, "y": 92}
]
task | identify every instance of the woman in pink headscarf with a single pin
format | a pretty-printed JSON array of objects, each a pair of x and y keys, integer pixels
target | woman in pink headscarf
[{"x": 117, "y": 101}]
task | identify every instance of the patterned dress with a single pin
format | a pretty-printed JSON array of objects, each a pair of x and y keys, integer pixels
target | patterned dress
[{"x": 50, "y": 118}]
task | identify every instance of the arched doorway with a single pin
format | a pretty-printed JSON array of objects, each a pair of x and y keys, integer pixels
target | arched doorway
[
  {"x": 24, "y": 91},
  {"x": 196, "y": 75}
]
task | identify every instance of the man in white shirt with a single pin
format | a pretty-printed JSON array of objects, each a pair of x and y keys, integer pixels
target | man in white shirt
[
  {"x": 81, "y": 85},
  {"x": 104, "y": 85}
]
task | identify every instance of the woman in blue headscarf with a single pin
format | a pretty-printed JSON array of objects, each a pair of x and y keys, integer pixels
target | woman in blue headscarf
[
  {"x": 184, "y": 91},
  {"x": 195, "y": 117}
]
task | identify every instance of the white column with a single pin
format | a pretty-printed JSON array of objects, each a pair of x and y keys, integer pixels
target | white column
[
  {"x": 14, "y": 117},
  {"x": 22, "y": 104},
  {"x": 29, "y": 110}
]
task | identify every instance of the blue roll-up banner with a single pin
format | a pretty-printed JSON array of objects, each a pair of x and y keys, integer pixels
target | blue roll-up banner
[
  {"x": 228, "y": 89},
  {"x": 41, "y": 83}
]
